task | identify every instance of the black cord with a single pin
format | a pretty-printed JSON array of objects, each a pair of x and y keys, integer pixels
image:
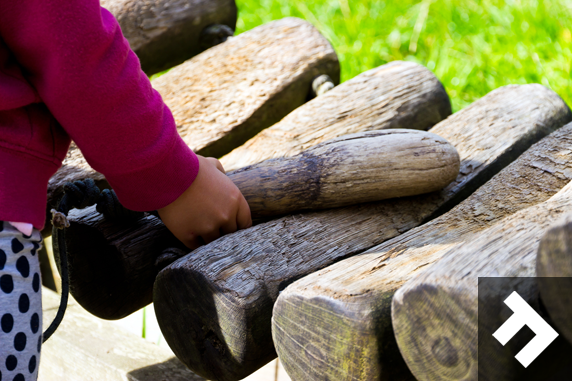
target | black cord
[
  {"x": 65, "y": 288},
  {"x": 79, "y": 195}
]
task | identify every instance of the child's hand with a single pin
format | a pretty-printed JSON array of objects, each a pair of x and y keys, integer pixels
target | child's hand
[{"x": 212, "y": 206}]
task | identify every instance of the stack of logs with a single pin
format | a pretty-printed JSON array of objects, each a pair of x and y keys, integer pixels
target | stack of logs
[{"x": 371, "y": 233}]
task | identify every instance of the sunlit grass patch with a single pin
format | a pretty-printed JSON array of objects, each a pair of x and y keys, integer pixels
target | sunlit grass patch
[{"x": 472, "y": 46}]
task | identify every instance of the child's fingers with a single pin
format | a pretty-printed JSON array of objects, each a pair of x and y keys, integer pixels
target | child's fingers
[
  {"x": 211, "y": 236},
  {"x": 243, "y": 217},
  {"x": 194, "y": 243},
  {"x": 229, "y": 227},
  {"x": 216, "y": 163},
  {"x": 191, "y": 241}
]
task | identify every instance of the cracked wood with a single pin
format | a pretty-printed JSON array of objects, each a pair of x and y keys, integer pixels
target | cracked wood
[
  {"x": 214, "y": 305},
  {"x": 343, "y": 312},
  {"x": 396, "y": 95},
  {"x": 436, "y": 314}
]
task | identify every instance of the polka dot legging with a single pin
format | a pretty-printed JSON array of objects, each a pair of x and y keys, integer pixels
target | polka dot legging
[{"x": 20, "y": 304}]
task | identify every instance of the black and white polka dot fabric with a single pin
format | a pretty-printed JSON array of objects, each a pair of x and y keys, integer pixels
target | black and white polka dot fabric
[{"x": 20, "y": 304}]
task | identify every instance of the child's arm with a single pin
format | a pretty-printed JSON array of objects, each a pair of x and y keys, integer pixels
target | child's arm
[{"x": 75, "y": 56}]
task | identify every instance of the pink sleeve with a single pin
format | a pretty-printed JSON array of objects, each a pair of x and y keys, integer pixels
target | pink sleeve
[{"x": 74, "y": 54}]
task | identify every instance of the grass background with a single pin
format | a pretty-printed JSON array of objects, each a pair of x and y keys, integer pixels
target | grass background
[{"x": 472, "y": 46}]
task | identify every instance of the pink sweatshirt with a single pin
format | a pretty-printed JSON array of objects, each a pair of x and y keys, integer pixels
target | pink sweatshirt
[{"x": 66, "y": 71}]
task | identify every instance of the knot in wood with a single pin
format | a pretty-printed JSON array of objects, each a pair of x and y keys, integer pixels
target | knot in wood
[{"x": 444, "y": 352}]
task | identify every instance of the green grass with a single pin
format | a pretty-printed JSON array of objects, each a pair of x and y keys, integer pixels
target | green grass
[{"x": 472, "y": 46}]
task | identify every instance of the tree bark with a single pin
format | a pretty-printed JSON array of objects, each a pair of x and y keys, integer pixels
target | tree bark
[
  {"x": 555, "y": 261},
  {"x": 229, "y": 93},
  {"x": 167, "y": 32},
  {"x": 436, "y": 314},
  {"x": 396, "y": 95},
  {"x": 377, "y": 165},
  {"x": 214, "y": 305},
  {"x": 343, "y": 312}
]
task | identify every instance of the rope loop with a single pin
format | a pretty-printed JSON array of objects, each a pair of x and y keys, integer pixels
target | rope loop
[
  {"x": 79, "y": 194},
  {"x": 108, "y": 204}
]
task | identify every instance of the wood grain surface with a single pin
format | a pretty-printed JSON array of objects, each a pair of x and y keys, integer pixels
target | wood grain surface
[
  {"x": 231, "y": 92},
  {"x": 350, "y": 170},
  {"x": 214, "y": 305},
  {"x": 436, "y": 317},
  {"x": 396, "y": 95},
  {"x": 357, "y": 168},
  {"x": 343, "y": 312},
  {"x": 554, "y": 260},
  {"x": 165, "y": 33},
  {"x": 226, "y": 95}
]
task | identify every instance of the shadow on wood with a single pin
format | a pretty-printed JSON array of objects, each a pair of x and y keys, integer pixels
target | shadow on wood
[{"x": 113, "y": 264}]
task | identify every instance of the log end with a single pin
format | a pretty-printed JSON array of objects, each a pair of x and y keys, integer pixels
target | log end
[
  {"x": 433, "y": 350},
  {"x": 347, "y": 344},
  {"x": 96, "y": 274},
  {"x": 207, "y": 328},
  {"x": 112, "y": 277}
]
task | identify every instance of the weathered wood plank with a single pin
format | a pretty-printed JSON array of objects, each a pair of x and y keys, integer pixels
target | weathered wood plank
[
  {"x": 396, "y": 95},
  {"x": 436, "y": 316},
  {"x": 226, "y": 95},
  {"x": 165, "y": 33},
  {"x": 554, "y": 260},
  {"x": 214, "y": 305},
  {"x": 85, "y": 348},
  {"x": 343, "y": 312}
]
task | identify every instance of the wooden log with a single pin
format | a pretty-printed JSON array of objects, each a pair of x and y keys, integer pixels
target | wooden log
[
  {"x": 554, "y": 260},
  {"x": 167, "y": 32},
  {"x": 359, "y": 168},
  {"x": 396, "y": 95},
  {"x": 231, "y": 92},
  {"x": 365, "y": 167},
  {"x": 214, "y": 305},
  {"x": 436, "y": 315},
  {"x": 228, "y": 94},
  {"x": 85, "y": 348},
  {"x": 343, "y": 312}
]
